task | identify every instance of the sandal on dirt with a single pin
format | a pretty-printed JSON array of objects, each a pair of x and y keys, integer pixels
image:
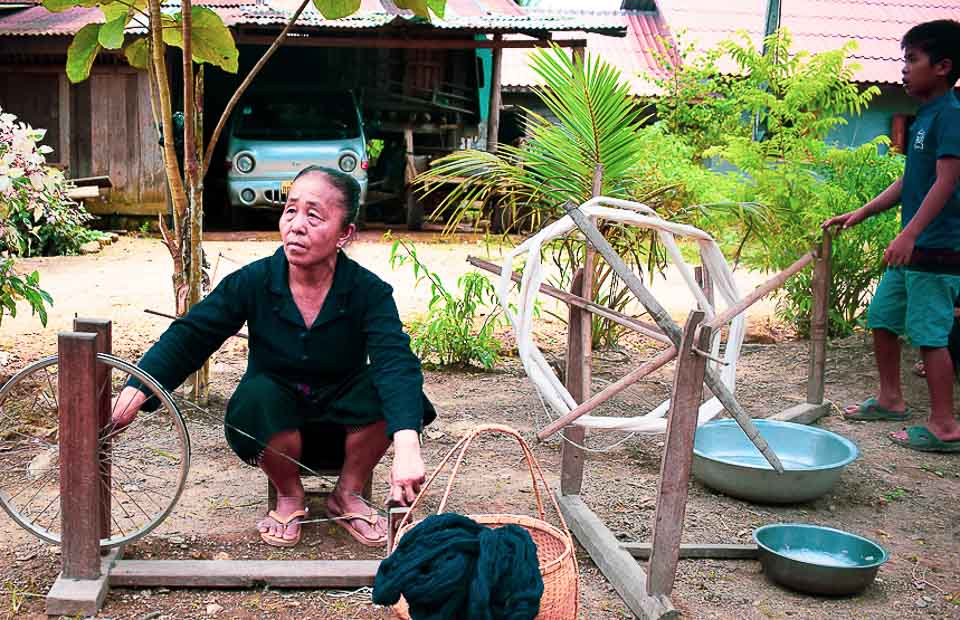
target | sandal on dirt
[
  {"x": 922, "y": 440},
  {"x": 871, "y": 411},
  {"x": 278, "y": 541},
  {"x": 345, "y": 520}
]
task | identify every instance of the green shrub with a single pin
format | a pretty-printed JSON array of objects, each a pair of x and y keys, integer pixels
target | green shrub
[
  {"x": 447, "y": 335},
  {"x": 767, "y": 131},
  {"x": 36, "y": 217},
  {"x": 13, "y": 288},
  {"x": 848, "y": 178}
]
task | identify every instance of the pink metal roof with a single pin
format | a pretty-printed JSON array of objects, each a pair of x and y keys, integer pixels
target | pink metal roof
[
  {"x": 816, "y": 25},
  {"x": 633, "y": 55}
]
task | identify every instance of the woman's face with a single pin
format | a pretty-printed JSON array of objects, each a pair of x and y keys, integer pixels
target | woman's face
[{"x": 311, "y": 226}]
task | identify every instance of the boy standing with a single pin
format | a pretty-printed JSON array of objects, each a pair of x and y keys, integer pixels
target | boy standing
[{"x": 916, "y": 294}]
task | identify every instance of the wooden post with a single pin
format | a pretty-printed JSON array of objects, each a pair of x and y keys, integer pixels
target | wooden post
[
  {"x": 571, "y": 457},
  {"x": 79, "y": 455},
  {"x": 669, "y": 327},
  {"x": 104, "y": 344},
  {"x": 819, "y": 322},
  {"x": 678, "y": 456},
  {"x": 493, "y": 117},
  {"x": 579, "y": 356}
]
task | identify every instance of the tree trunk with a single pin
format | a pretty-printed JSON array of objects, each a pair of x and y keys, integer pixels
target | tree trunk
[{"x": 178, "y": 194}]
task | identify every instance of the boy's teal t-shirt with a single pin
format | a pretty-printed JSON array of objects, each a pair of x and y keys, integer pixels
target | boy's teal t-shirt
[{"x": 934, "y": 134}]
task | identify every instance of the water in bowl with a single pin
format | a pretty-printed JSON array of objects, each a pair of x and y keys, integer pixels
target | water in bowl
[
  {"x": 758, "y": 461},
  {"x": 820, "y": 558}
]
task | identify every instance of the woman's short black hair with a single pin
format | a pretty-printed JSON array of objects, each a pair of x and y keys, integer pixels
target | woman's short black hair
[
  {"x": 939, "y": 39},
  {"x": 348, "y": 187}
]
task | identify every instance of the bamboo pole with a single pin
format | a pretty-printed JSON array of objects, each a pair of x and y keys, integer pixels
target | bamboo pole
[
  {"x": 761, "y": 291},
  {"x": 670, "y": 328},
  {"x": 647, "y": 329},
  {"x": 609, "y": 392}
]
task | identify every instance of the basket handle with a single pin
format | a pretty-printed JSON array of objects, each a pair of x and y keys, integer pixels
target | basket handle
[{"x": 460, "y": 449}]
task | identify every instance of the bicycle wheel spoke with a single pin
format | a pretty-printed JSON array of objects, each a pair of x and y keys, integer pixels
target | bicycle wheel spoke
[
  {"x": 53, "y": 390},
  {"x": 143, "y": 487},
  {"x": 47, "y": 507},
  {"x": 147, "y": 459},
  {"x": 28, "y": 484},
  {"x": 48, "y": 478}
]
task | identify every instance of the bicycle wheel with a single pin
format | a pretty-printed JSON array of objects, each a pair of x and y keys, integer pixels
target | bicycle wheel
[{"x": 147, "y": 461}]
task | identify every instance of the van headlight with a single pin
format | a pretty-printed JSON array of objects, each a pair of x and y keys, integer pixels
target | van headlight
[
  {"x": 348, "y": 162},
  {"x": 244, "y": 162}
]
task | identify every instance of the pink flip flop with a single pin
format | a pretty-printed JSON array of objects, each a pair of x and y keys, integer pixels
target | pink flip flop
[{"x": 278, "y": 541}]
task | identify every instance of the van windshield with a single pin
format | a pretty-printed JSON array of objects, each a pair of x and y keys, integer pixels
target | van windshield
[{"x": 323, "y": 118}]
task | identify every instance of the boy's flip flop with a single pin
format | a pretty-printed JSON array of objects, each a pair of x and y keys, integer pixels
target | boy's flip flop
[
  {"x": 279, "y": 541},
  {"x": 871, "y": 411},
  {"x": 922, "y": 440}
]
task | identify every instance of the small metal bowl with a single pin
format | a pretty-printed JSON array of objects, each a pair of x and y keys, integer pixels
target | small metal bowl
[
  {"x": 813, "y": 458},
  {"x": 816, "y": 559}
]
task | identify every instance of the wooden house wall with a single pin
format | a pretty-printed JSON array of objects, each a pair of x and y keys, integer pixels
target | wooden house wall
[{"x": 102, "y": 126}]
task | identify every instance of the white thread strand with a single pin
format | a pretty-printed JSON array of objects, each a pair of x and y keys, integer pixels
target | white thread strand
[{"x": 549, "y": 388}]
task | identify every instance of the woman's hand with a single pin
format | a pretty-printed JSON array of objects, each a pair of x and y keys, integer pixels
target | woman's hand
[
  {"x": 408, "y": 472},
  {"x": 126, "y": 406}
]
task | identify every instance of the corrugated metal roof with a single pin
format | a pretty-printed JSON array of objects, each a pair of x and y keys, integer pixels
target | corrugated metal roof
[
  {"x": 635, "y": 55},
  {"x": 816, "y": 26},
  {"x": 469, "y": 15}
]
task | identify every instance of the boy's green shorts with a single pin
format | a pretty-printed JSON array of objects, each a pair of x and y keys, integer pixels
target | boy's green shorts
[{"x": 915, "y": 304}]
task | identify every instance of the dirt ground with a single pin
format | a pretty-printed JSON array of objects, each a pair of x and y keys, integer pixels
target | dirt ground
[{"x": 907, "y": 501}]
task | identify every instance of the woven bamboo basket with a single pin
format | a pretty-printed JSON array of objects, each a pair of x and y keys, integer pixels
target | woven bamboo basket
[{"x": 558, "y": 563}]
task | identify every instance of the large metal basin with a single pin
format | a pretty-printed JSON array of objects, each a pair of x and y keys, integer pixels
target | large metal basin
[
  {"x": 726, "y": 460},
  {"x": 816, "y": 559}
]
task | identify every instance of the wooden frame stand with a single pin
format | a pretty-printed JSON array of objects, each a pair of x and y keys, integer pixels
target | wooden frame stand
[
  {"x": 87, "y": 574},
  {"x": 648, "y": 595}
]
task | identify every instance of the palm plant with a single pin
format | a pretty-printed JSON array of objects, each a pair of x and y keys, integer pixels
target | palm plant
[{"x": 598, "y": 123}]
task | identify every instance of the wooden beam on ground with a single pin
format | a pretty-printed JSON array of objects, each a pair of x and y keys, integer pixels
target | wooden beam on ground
[
  {"x": 618, "y": 567},
  {"x": 244, "y": 573},
  {"x": 677, "y": 460},
  {"x": 642, "y": 551},
  {"x": 609, "y": 392},
  {"x": 819, "y": 322},
  {"x": 397, "y": 43},
  {"x": 669, "y": 327},
  {"x": 804, "y": 413},
  {"x": 649, "y": 330},
  {"x": 79, "y": 455},
  {"x": 571, "y": 457},
  {"x": 761, "y": 291}
]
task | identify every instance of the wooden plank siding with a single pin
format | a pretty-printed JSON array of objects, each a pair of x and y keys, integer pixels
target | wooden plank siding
[{"x": 102, "y": 126}]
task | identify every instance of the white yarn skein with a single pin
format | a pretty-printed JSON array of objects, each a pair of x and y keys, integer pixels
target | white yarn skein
[{"x": 545, "y": 380}]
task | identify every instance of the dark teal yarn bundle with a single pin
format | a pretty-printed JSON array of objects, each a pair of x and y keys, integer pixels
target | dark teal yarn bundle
[{"x": 450, "y": 567}]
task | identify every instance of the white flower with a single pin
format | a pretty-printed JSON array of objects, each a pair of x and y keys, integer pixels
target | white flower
[
  {"x": 44, "y": 149},
  {"x": 5, "y": 183},
  {"x": 36, "y": 180},
  {"x": 15, "y": 173}
]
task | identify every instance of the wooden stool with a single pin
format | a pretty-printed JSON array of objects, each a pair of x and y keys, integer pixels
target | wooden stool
[{"x": 333, "y": 472}]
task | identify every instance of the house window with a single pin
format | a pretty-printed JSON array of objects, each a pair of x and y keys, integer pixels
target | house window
[{"x": 35, "y": 99}]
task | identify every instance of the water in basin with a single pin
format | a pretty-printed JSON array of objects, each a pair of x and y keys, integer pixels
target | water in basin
[
  {"x": 820, "y": 558},
  {"x": 757, "y": 461}
]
